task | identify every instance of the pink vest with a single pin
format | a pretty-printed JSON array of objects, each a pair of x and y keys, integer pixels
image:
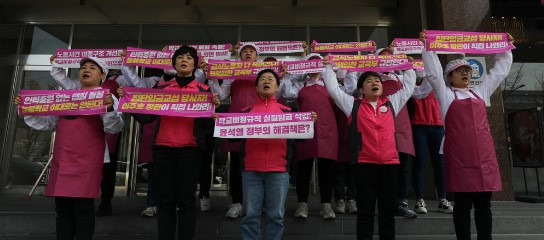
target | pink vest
[
  {"x": 145, "y": 153},
  {"x": 78, "y": 156},
  {"x": 427, "y": 111},
  {"x": 242, "y": 94},
  {"x": 315, "y": 98}
]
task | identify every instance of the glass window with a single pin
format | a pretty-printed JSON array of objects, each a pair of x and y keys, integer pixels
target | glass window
[
  {"x": 156, "y": 37},
  {"x": 45, "y": 39},
  {"x": 378, "y": 34},
  {"x": 333, "y": 34},
  {"x": 525, "y": 77},
  {"x": 105, "y": 36},
  {"x": 273, "y": 33}
]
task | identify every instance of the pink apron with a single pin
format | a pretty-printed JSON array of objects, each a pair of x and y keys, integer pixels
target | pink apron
[
  {"x": 343, "y": 143},
  {"x": 315, "y": 98},
  {"x": 469, "y": 155},
  {"x": 112, "y": 139},
  {"x": 145, "y": 152},
  {"x": 243, "y": 93},
  {"x": 78, "y": 156},
  {"x": 403, "y": 126}
]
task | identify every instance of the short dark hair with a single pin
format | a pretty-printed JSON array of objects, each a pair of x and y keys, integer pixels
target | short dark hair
[
  {"x": 364, "y": 76},
  {"x": 268, "y": 70},
  {"x": 184, "y": 50}
]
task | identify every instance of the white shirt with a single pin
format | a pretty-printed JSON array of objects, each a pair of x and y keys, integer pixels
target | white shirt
[
  {"x": 113, "y": 123},
  {"x": 295, "y": 82},
  {"x": 445, "y": 94},
  {"x": 345, "y": 101}
]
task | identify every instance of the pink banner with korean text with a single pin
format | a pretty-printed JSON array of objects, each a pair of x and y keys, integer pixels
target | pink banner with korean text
[
  {"x": 148, "y": 58},
  {"x": 264, "y": 125},
  {"x": 167, "y": 102},
  {"x": 407, "y": 46},
  {"x": 62, "y": 102},
  {"x": 239, "y": 70},
  {"x": 418, "y": 65},
  {"x": 69, "y": 58},
  {"x": 343, "y": 47},
  {"x": 467, "y": 42},
  {"x": 208, "y": 51},
  {"x": 305, "y": 66},
  {"x": 273, "y": 47},
  {"x": 374, "y": 63}
]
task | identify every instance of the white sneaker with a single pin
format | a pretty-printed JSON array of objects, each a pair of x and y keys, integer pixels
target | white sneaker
[
  {"x": 149, "y": 212},
  {"x": 326, "y": 211},
  {"x": 340, "y": 206},
  {"x": 445, "y": 206},
  {"x": 205, "y": 204},
  {"x": 302, "y": 210},
  {"x": 420, "y": 207},
  {"x": 352, "y": 206},
  {"x": 235, "y": 210}
]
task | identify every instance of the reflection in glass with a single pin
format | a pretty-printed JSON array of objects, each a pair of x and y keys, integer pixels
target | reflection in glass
[
  {"x": 105, "y": 36},
  {"x": 45, "y": 39}
]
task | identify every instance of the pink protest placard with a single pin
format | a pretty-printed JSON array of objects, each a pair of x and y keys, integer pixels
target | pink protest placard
[
  {"x": 264, "y": 125},
  {"x": 266, "y": 47},
  {"x": 239, "y": 70},
  {"x": 343, "y": 47},
  {"x": 407, "y": 46},
  {"x": 167, "y": 102},
  {"x": 305, "y": 66},
  {"x": 418, "y": 65},
  {"x": 69, "y": 58},
  {"x": 374, "y": 63},
  {"x": 467, "y": 42},
  {"x": 62, "y": 102},
  {"x": 208, "y": 51},
  {"x": 148, "y": 58}
]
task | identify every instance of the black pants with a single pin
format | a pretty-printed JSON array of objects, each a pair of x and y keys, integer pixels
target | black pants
[
  {"x": 482, "y": 214},
  {"x": 376, "y": 181},
  {"x": 75, "y": 218},
  {"x": 206, "y": 169},
  {"x": 235, "y": 178},
  {"x": 345, "y": 178},
  {"x": 325, "y": 176},
  {"x": 107, "y": 184},
  {"x": 176, "y": 174},
  {"x": 402, "y": 180}
]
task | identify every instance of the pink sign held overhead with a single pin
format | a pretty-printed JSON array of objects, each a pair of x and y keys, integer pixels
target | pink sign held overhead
[
  {"x": 343, "y": 47},
  {"x": 467, "y": 42},
  {"x": 148, "y": 58},
  {"x": 69, "y": 58},
  {"x": 239, "y": 70},
  {"x": 167, "y": 102},
  {"x": 264, "y": 125},
  {"x": 62, "y": 102},
  {"x": 407, "y": 46},
  {"x": 208, "y": 51},
  {"x": 418, "y": 65},
  {"x": 305, "y": 66},
  {"x": 374, "y": 63},
  {"x": 274, "y": 47}
]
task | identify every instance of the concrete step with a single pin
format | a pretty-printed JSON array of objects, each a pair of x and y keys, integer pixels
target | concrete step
[{"x": 34, "y": 217}]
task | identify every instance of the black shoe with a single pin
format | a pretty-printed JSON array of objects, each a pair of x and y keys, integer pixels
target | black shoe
[
  {"x": 404, "y": 211},
  {"x": 104, "y": 209}
]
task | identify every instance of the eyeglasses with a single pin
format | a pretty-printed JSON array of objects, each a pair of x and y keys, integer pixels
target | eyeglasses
[{"x": 463, "y": 70}]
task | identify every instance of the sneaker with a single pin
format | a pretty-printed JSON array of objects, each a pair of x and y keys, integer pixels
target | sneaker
[
  {"x": 420, "y": 207},
  {"x": 404, "y": 211},
  {"x": 302, "y": 210},
  {"x": 149, "y": 212},
  {"x": 326, "y": 211},
  {"x": 205, "y": 204},
  {"x": 445, "y": 206},
  {"x": 352, "y": 206},
  {"x": 104, "y": 209},
  {"x": 340, "y": 206},
  {"x": 235, "y": 210}
]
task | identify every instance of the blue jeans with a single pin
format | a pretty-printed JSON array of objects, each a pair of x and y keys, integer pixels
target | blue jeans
[
  {"x": 271, "y": 189},
  {"x": 427, "y": 137}
]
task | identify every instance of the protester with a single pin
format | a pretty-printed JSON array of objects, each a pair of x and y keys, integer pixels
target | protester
[
  {"x": 177, "y": 152},
  {"x": 372, "y": 146},
  {"x": 243, "y": 94},
  {"x": 472, "y": 171},
  {"x": 80, "y": 151}
]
